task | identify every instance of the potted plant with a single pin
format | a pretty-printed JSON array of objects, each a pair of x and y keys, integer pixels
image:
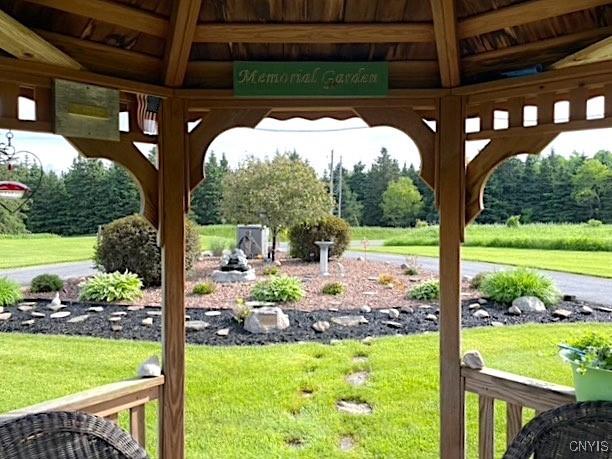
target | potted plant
[{"x": 591, "y": 361}]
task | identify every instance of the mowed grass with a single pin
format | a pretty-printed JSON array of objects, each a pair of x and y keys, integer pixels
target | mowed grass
[
  {"x": 247, "y": 402},
  {"x": 580, "y": 237},
  {"x": 589, "y": 263}
]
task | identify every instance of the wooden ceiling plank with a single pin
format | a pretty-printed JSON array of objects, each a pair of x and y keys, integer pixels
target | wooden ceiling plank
[
  {"x": 315, "y": 33},
  {"x": 597, "y": 52},
  {"x": 522, "y": 13},
  {"x": 111, "y": 13},
  {"x": 445, "y": 25},
  {"x": 23, "y": 43},
  {"x": 180, "y": 39}
]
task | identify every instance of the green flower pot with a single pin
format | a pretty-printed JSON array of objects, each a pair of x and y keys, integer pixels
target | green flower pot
[{"x": 594, "y": 384}]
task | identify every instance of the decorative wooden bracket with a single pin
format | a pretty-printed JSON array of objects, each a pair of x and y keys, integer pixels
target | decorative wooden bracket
[
  {"x": 482, "y": 166},
  {"x": 215, "y": 122},
  {"x": 408, "y": 121},
  {"x": 125, "y": 153}
]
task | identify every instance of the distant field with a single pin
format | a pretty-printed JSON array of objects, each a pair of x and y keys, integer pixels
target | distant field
[
  {"x": 580, "y": 237},
  {"x": 590, "y": 263}
]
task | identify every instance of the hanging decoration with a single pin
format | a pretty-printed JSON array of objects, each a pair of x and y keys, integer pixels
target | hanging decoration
[{"x": 14, "y": 194}]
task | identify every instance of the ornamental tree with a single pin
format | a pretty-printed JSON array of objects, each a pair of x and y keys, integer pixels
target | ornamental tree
[
  {"x": 401, "y": 203},
  {"x": 278, "y": 193}
]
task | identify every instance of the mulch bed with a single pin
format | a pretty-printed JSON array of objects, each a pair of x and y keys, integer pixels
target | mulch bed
[{"x": 98, "y": 324}]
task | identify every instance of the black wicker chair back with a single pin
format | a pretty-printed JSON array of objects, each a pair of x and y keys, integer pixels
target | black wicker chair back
[
  {"x": 65, "y": 435},
  {"x": 577, "y": 431}
]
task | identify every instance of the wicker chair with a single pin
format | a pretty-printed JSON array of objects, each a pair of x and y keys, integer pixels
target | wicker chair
[
  {"x": 63, "y": 435},
  {"x": 577, "y": 431}
]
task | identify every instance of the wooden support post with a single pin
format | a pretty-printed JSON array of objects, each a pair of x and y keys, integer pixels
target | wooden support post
[
  {"x": 173, "y": 199},
  {"x": 451, "y": 187},
  {"x": 9, "y": 95},
  {"x": 138, "y": 424}
]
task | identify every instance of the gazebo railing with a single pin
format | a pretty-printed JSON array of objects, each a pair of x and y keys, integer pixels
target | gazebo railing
[
  {"x": 517, "y": 392},
  {"x": 108, "y": 402}
]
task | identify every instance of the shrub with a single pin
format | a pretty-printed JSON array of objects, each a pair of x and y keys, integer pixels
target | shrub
[
  {"x": 386, "y": 279},
  {"x": 334, "y": 288},
  {"x": 217, "y": 246},
  {"x": 130, "y": 244},
  {"x": 505, "y": 286},
  {"x": 112, "y": 287},
  {"x": 594, "y": 222},
  {"x": 241, "y": 312},
  {"x": 513, "y": 221},
  {"x": 271, "y": 270},
  {"x": 411, "y": 271},
  {"x": 421, "y": 223},
  {"x": 46, "y": 283},
  {"x": 205, "y": 288},
  {"x": 302, "y": 238},
  {"x": 278, "y": 289},
  {"x": 10, "y": 292},
  {"x": 476, "y": 281},
  {"x": 426, "y": 291}
]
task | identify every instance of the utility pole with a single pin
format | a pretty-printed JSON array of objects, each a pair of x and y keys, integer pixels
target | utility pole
[
  {"x": 340, "y": 190},
  {"x": 331, "y": 180}
]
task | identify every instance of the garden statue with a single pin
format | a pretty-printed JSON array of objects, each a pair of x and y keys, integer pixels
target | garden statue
[
  {"x": 235, "y": 261},
  {"x": 234, "y": 268}
]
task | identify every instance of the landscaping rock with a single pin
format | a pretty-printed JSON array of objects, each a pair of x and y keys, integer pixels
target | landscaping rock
[
  {"x": 5, "y": 316},
  {"x": 148, "y": 321},
  {"x": 347, "y": 444},
  {"x": 212, "y": 313},
  {"x": 257, "y": 304},
  {"x": 119, "y": 313},
  {"x": 357, "y": 379},
  {"x": 78, "y": 319},
  {"x": 495, "y": 323},
  {"x": 354, "y": 408},
  {"x": 393, "y": 324},
  {"x": 24, "y": 307},
  {"x": 55, "y": 307},
  {"x": 473, "y": 306},
  {"x": 223, "y": 332},
  {"x": 196, "y": 325},
  {"x": 116, "y": 327},
  {"x": 603, "y": 309},
  {"x": 96, "y": 309},
  {"x": 37, "y": 314},
  {"x": 529, "y": 304},
  {"x": 482, "y": 301},
  {"x": 114, "y": 318},
  {"x": 135, "y": 308},
  {"x": 232, "y": 277},
  {"x": 473, "y": 360},
  {"x": 155, "y": 312},
  {"x": 586, "y": 310},
  {"x": 407, "y": 309},
  {"x": 562, "y": 313},
  {"x": 514, "y": 311},
  {"x": 365, "y": 309},
  {"x": 333, "y": 309},
  {"x": 60, "y": 314},
  {"x": 266, "y": 320},
  {"x": 321, "y": 326},
  {"x": 368, "y": 340},
  {"x": 424, "y": 306},
  {"x": 432, "y": 317},
  {"x": 349, "y": 321},
  {"x": 393, "y": 313},
  {"x": 482, "y": 314},
  {"x": 150, "y": 368},
  {"x": 28, "y": 322}
]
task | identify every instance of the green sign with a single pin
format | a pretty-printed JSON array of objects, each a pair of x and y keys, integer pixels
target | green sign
[{"x": 310, "y": 79}]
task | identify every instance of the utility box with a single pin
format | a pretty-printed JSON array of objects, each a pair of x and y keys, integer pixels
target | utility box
[{"x": 252, "y": 240}]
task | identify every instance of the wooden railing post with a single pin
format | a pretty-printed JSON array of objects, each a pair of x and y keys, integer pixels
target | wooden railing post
[
  {"x": 173, "y": 203},
  {"x": 451, "y": 186},
  {"x": 138, "y": 424}
]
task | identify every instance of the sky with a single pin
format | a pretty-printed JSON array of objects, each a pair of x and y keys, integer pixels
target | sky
[{"x": 313, "y": 140}]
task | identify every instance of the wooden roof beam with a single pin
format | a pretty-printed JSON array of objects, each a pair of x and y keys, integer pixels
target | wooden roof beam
[
  {"x": 23, "y": 43},
  {"x": 522, "y": 13},
  {"x": 315, "y": 33},
  {"x": 178, "y": 46},
  {"x": 597, "y": 52},
  {"x": 111, "y": 13},
  {"x": 445, "y": 24}
]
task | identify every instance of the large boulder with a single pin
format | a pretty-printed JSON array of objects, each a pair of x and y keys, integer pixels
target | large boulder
[
  {"x": 529, "y": 304},
  {"x": 267, "y": 319}
]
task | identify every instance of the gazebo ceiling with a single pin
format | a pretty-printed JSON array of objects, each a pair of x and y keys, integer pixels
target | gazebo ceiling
[{"x": 478, "y": 40}]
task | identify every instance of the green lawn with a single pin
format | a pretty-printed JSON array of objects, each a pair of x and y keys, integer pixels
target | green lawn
[
  {"x": 589, "y": 263},
  {"x": 246, "y": 402}
]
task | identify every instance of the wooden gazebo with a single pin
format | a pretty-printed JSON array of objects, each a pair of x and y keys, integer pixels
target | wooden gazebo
[{"x": 448, "y": 60}]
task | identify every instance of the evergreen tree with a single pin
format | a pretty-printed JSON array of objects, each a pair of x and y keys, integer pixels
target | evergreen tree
[
  {"x": 357, "y": 181},
  {"x": 352, "y": 209},
  {"x": 383, "y": 171},
  {"x": 207, "y": 198},
  {"x": 48, "y": 211},
  {"x": 121, "y": 193},
  {"x": 428, "y": 211}
]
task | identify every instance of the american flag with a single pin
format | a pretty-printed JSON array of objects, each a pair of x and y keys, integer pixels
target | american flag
[{"x": 148, "y": 107}]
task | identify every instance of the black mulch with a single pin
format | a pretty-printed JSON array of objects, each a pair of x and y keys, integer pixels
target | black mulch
[{"x": 98, "y": 324}]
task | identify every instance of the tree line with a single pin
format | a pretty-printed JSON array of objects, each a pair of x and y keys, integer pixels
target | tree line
[{"x": 548, "y": 188}]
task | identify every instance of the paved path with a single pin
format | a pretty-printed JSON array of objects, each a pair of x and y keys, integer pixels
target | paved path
[
  {"x": 587, "y": 288},
  {"x": 594, "y": 289}
]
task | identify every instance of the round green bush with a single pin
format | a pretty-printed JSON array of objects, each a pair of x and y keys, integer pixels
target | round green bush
[
  {"x": 130, "y": 244},
  {"x": 278, "y": 289},
  {"x": 110, "y": 287},
  {"x": 594, "y": 222},
  {"x": 476, "y": 281},
  {"x": 271, "y": 270},
  {"x": 426, "y": 291},
  {"x": 302, "y": 238},
  {"x": 10, "y": 292},
  {"x": 46, "y": 283},
  {"x": 205, "y": 288},
  {"x": 513, "y": 221},
  {"x": 333, "y": 288},
  {"x": 506, "y": 286}
]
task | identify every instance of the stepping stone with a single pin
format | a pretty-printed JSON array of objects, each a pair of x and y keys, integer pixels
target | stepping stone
[
  {"x": 135, "y": 308},
  {"x": 358, "y": 379},
  {"x": 55, "y": 307},
  {"x": 95, "y": 309},
  {"x": 154, "y": 313},
  {"x": 116, "y": 327},
  {"x": 37, "y": 314},
  {"x": 393, "y": 324},
  {"x": 148, "y": 321},
  {"x": 119, "y": 313},
  {"x": 78, "y": 319},
  {"x": 349, "y": 321},
  {"x": 25, "y": 307},
  {"x": 368, "y": 340},
  {"x": 347, "y": 444},
  {"x": 432, "y": 317},
  {"x": 354, "y": 408},
  {"x": 28, "y": 322},
  {"x": 28, "y": 303},
  {"x": 196, "y": 325},
  {"x": 360, "y": 359},
  {"x": 60, "y": 314},
  {"x": 114, "y": 319},
  {"x": 5, "y": 316},
  {"x": 212, "y": 313},
  {"x": 223, "y": 332}
]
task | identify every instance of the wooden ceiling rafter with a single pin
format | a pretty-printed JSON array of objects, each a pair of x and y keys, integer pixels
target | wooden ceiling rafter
[
  {"x": 183, "y": 23},
  {"x": 600, "y": 51},
  {"x": 447, "y": 45}
]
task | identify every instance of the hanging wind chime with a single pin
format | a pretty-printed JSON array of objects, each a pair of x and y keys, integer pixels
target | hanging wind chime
[{"x": 13, "y": 191}]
